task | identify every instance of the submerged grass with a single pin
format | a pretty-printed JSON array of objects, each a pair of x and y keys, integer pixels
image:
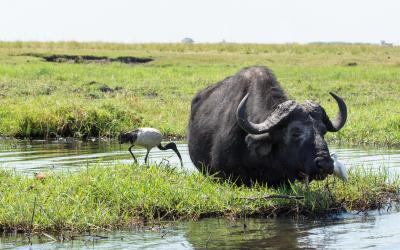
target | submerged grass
[
  {"x": 123, "y": 195},
  {"x": 40, "y": 99}
]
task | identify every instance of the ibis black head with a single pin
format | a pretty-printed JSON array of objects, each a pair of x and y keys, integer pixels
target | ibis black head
[
  {"x": 127, "y": 137},
  {"x": 172, "y": 146}
]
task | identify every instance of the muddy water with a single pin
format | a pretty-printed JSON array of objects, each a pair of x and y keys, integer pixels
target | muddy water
[{"x": 376, "y": 229}]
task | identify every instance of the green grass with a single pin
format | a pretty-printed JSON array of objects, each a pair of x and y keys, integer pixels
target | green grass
[
  {"x": 40, "y": 99},
  {"x": 122, "y": 195}
]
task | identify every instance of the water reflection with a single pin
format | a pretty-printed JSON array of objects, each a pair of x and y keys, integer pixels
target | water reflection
[
  {"x": 376, "y": 231},
  {"x": 32, "y": 156},
  {"x": 25, "y": 156},
  {"x": 345, "y": 231},
  {"x": 244, "y": 234}
]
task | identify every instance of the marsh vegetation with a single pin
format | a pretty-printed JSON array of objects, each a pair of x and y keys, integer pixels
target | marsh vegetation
[
  {"x": 44, "y": 100},
  {"x": 117, "y": 196}
]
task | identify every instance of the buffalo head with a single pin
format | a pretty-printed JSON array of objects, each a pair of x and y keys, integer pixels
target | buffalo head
[{"x": 293, "y": 134}]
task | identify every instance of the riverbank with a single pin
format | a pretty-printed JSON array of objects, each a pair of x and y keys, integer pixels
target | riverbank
[
  {"x": 101, "y": 96},
  {"x": 120, "y": 196}
]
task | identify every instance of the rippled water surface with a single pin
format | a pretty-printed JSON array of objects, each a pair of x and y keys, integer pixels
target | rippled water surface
[
  {"x": 32, "y": 156},
  {"x": 375, "y": 230},
  {"x": 346, "y": 231},
  {"x": 25, "y": 156}
]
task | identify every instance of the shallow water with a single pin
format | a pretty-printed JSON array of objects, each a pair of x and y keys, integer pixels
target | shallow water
[
  {"x": 33, "y": 156},
  {"x": 345, "y": 231},
  {"x": 377, "y": 229}
]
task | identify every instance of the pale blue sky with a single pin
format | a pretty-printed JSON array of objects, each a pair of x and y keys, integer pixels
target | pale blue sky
[{"x": 256, "y": 21}]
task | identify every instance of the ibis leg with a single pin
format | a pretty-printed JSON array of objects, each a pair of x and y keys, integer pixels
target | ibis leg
[
  {"x": 130, "y": 151},
  {"x": 147, "y": 155}
]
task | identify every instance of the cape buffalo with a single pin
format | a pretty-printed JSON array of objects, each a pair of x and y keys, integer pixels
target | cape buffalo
[{"x": 245, "y": 128}]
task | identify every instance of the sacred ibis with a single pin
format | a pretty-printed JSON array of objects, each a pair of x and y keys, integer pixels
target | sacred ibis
[{"x": 147, "y": 138}]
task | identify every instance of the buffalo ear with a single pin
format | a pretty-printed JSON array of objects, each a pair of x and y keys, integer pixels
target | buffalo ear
[{"x": 259, "y": 145}]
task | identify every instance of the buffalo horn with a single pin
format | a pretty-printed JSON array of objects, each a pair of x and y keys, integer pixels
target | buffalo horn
[
  {"x": 341, "y": 117},
  {"x": 281, "y": 112}
]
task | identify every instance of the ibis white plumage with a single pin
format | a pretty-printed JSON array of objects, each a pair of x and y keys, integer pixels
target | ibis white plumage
[
  {"x": 339, "y": 169},
  {"x": 147, "y": 138}
]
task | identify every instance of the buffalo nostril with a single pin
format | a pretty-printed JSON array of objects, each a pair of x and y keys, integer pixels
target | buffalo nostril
[
  {"x": 320, "y": 167},
  {"x": 325, "y": 166}
]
